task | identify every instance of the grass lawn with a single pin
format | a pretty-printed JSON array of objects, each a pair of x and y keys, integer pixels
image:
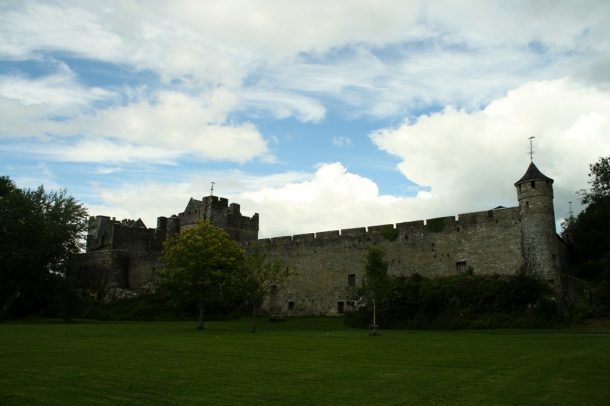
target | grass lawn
[{"x": 298, "y": 361}]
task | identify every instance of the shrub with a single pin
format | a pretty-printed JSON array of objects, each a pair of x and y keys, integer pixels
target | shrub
[{"x": 464, "y": 301}]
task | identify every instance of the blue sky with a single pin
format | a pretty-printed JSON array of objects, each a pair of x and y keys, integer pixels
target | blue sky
[{"x": 316, "y": 115}]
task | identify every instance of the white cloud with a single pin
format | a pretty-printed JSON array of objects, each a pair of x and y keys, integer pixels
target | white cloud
[
  {"x": 283, "y": 105},
  {"x": 151, "y": 199},
  {"x": 162, "y": 126},
  {"x": 471, "y": 159},
  {"x": 340, "y": 141},
  {"x": 32, "y": 27},
  {"x": 436, "y": 52},
  {"x": 59, "y": 90},
  {"x": 332, "y": 198}
]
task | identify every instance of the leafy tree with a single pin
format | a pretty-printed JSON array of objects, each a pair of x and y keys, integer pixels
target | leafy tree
[
  {"x": 599, "y": 174},
  {"x": 201, "y": 264},
  {"x": 260, "y": 274},
  {"x": 590, "y": 231},
  {"x": 39, "y": 232},
  {"x": 376, "y": 280},
  {"x": 590, "y": 235}
]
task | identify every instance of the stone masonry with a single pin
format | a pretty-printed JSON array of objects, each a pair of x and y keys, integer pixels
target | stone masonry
[{"x": 328, "y": 266}]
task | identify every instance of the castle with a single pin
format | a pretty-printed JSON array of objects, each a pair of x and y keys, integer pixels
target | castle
[{"x": 329, "y": 266}]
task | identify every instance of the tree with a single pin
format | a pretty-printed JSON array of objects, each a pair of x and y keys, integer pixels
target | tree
[
  {"x": 39, "y": 233},
  {"x": 599, "y": 174},
  {"x": 376, "y": 280},
  {"x": 590, "y": 235},
  {"x": 590, "y": 231},
  {"x": 260, "y": 274},
  {"x": 201, "y": 264}
]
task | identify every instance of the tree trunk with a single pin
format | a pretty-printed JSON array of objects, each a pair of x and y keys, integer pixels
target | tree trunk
[
  {"x": 9, "y": 302},
  {"x": 374, "y": 312},
  {"x": 254, "y": 317},
  {"x": 200, "y": 325}
]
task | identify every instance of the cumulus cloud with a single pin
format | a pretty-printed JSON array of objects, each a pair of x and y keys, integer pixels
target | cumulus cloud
[
  {"x": 332, "y": 198},
  {"x": 150, "y": 199},
  {"x": 471, "y": 159},
  {"x": 288, "y": 203}
]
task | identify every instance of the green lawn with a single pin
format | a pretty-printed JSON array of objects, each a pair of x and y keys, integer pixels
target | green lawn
[{"x": 299, "y": 361}]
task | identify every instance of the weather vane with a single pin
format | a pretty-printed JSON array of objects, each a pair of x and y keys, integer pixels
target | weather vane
[
  {"x": 212, "y": 189},
  {"x": 531, "y": 149}
]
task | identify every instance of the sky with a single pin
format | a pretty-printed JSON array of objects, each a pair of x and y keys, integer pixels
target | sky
[{"x": 317, "y": 115}]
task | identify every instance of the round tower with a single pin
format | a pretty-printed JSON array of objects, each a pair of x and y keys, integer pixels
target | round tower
[{"x": 539, "y": 242}]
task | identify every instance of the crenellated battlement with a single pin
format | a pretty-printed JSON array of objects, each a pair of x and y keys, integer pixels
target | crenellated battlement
[{"x": 419, "y": 228}]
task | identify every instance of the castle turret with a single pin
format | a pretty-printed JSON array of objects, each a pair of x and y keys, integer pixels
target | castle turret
[{"x": 538, "y": 236}]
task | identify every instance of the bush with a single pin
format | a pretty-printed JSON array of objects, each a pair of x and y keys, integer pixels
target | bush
[{"x": 464, "y": 301}]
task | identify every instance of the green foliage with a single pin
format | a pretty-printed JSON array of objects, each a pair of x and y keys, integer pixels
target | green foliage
[
  {"x": 314, "y": 361},
  {"x": 435, "y": 225},
  {"x": 375, "y": 282},
  {"x": 39, "y": 232},
  {"x": 599, "y": 175},
  {"x": 464, "y": 301},
  {"x": 376, "y": 273},
  {"x": 389, "y": 233},
  {"x": 202, "y": 264},
  {"x": 259, "y": 274},
  {"x": 589, "y": 235}
]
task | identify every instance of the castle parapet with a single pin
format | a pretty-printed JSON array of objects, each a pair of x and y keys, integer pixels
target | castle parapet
[
  {"x": 328, "y": 235},
  {"x": 378, "y": 230},
  {"x": 304, "y": 237},
  {"x": 354, "y": 232}
]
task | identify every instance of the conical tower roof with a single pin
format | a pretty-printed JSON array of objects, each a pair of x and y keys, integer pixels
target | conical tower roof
[{"x": 532, "y": 173}]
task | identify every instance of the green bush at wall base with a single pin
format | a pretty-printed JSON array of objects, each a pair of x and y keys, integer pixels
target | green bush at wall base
[{"x": 464, "y": 301}]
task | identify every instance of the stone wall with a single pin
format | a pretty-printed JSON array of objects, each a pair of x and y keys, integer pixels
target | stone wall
[
  {"x": 101, "y": 270},
  {"x": 485, "y": 242}
]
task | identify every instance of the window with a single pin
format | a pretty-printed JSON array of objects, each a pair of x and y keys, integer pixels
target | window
[
  {"x": 291, "y": 305},
  {"x": 351, "y": 279},
  {"x": 460, "y": 266},
  {"x": 340, "y": 307},
  {"x": 533, "y": 184}
]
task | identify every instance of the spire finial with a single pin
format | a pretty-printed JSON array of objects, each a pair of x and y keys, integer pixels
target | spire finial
[
  {"x": 531, "y": 149},
  {"x": 212, "y": 189}
]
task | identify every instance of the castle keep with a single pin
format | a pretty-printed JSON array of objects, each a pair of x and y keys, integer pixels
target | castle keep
[
  {"x": 125, "y": 254},
  {"x": 329, "y": 266}
]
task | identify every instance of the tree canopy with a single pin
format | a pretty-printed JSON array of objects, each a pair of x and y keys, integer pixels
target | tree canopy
[
  {"x": 260, "y": 274},
  {"x": 376, "y": 280},
  {"x": 589, "y": 234},
  {"x": 590, "y": 231},
  {"x": 202, "y": 264},
  {"x": 599, "y": 179},
  {"x": 39, "y": 232}
]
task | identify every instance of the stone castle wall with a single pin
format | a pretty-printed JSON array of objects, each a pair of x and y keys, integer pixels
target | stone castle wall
[{"x": 328, "y": 267}]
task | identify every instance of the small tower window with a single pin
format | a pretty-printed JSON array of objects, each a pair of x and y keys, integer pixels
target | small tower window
[
  {"x": 351, "y": 279},
  {"x": 291, "y": 305},
  {"x": 533, "y": 184},
  {"x": 460, "y": 266},
  {"x": 340, "y": 307}
]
